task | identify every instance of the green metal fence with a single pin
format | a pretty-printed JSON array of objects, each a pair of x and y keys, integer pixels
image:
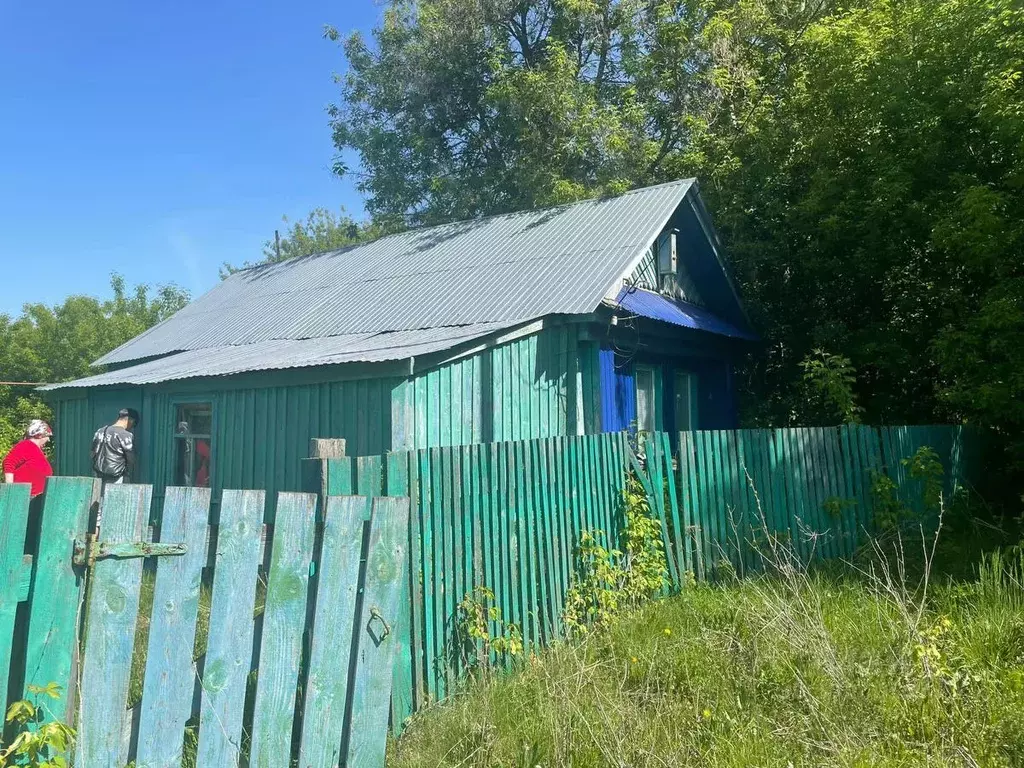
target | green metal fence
[
  {"x": 814, "y": 489},
  {"x": 502, "y": 515},
  {"x": 509, "y": 516}
]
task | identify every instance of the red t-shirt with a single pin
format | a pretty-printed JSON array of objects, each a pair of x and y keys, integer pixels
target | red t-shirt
[{"x": 29, "y": 465}]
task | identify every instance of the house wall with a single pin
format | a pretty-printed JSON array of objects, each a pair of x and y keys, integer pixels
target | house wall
[
  {"x": 557, "y": 381},
  {"x": 521, "y": 389},
  {"x": 260, "y": 433},
  {"x": 716, "y": 397}
]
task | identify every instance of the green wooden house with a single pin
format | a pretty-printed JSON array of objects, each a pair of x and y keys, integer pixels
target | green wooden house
[{"x": 603, "y": 315}]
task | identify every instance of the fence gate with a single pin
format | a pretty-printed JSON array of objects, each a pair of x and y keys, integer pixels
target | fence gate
[{"x": 211, "y": 642}]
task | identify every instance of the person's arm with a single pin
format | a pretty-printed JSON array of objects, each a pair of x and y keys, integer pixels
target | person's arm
[
  {"x": 129, "y": 456},
  {"x": 12, "y": 461}
]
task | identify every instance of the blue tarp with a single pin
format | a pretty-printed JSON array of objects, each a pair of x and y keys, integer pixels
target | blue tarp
[{"x": 658, "y": 307}]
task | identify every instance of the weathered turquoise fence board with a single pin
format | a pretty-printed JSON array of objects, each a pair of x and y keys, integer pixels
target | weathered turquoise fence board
[
  {"x": 229, "y": 649},
  {"x": 170, "y": 679},
  {"x": 14, "y": 501},
  {"x": 331, "y": 644},
  {"x": 284, "y": 620},
  {"x": 52, "y": 645},
  {"x": 404, "y": 685},
  {"x": 103, "y": 717},
  {"x": 382, "y": 620}
]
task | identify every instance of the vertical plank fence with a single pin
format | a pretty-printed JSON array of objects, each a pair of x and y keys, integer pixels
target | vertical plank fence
[{"x": 813, "y": 489}]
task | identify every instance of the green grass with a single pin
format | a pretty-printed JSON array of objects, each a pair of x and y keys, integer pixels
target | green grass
[{"x": 848, "y": 669}]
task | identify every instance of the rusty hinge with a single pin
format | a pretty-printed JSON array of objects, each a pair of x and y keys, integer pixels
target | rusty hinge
[{"x": 88, "y": 550}]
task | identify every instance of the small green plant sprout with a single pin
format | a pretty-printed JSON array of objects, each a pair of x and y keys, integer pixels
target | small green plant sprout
[
  {"x": 830, "y": 379},
  {"x": 38, "y": 743},
  {"x": 477, "y": 614},
  {"x": 925, "y": 467}
]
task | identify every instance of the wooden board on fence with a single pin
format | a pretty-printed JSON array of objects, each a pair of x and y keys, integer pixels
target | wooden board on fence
[
  {"x": 284, "y": 620},
  {"x": 229, "y": 648},
  {"x": 170, "y": 680},
  {"x": 385, "y": 572},
  {"x": 52, "y": 645},
  {"x": 103, "y": 719},
  {"x": 14, "y": 501},
  {"x": 331, "y": 645}
]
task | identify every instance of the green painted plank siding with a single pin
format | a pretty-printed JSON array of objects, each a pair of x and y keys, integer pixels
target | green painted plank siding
[
  {"x": 260, "y": 435},
  {"x": 331, "y": 644},
  {"x": 283, "y": 625},
  {"x": 525, "y": 388},
  {"x": 56, "y": 589}
]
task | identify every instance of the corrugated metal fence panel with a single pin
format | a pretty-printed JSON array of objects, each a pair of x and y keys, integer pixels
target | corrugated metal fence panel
[
  {"x": 738, "y": 496},
  {"x": 505, "y": 516},
  {"x": 522, "y": 389}
]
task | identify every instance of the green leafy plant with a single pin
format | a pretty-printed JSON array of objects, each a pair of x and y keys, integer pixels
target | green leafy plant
[
  {"x": 477, "y": 615},
  {"x": 610, "y": 581},
  {"x": 925, "y": 467},
  {"x": 644, "y": 565},
  {"x": 39, "y": 743},
  {"x": 831, "y": 379},
  {"x": 889, "y": 512},
  {"x": 835, "y": 506}
]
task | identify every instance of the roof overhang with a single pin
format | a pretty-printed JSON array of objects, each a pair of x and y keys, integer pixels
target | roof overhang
[
  {"x": 655, "y": 306},
  {"x": 290, "y": 354}
]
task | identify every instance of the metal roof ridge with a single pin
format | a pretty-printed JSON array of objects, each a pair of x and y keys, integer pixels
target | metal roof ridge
[{"x": 518, "y": 212}]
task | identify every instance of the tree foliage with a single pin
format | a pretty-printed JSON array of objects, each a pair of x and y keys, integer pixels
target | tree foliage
[
  {"x": 52, "y": 344},
  {"x": 320, "y": 231},
  {"x": 864, "y": 163}
]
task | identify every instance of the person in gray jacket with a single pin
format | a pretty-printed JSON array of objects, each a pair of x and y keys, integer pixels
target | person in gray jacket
[{"x": 113, "y": 448}]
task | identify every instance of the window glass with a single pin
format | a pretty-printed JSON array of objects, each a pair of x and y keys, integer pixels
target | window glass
[
  {"x": 644, "y": 398},
  {"x": 192, "y": 434},
  {"x": 685, "y": 401}
]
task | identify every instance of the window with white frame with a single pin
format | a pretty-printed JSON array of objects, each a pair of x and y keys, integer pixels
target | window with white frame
[{"x": 645, "y": 406}]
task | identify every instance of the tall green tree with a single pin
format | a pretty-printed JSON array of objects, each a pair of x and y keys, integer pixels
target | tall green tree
[
  {"x": 51, "y": 344},
  {"x": 863, "y": 162},
  {"x": 469, "y": 107}
]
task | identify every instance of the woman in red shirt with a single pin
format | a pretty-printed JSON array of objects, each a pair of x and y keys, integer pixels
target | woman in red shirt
[{"x": 26, "y": 462}]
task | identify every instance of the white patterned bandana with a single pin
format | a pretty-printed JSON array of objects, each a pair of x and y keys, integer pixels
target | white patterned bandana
[{"x": 39, "y": 428}]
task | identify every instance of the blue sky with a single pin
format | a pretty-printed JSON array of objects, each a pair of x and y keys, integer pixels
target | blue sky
[{"x": 159, "y": 140}]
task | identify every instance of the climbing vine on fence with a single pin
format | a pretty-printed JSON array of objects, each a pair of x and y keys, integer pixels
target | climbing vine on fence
[{"x": 610, "y": 581}]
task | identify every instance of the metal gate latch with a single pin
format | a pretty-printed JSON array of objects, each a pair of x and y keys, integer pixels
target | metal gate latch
[{"x": 88, "y": 551}]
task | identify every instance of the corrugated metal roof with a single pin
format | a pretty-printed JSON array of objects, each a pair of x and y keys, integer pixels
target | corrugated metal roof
[
  {"x": 288, "y": 353},
  {"x": 657, "y": 307},
  {"x": 503, "y": 268}
]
